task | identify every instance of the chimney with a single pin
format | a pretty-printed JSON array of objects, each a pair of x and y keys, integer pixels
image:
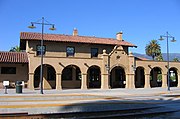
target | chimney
[
  {"x": 75, "y": 32},
  {"x": 119, "y": 36}
]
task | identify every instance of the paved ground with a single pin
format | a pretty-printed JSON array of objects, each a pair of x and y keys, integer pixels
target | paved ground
[{"x": 150, "y": 101}]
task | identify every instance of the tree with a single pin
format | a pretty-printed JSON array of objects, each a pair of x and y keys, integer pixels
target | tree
[
  {"x": 159, "y": 57},
  {"x": 153, "y": 49},
  {"x": 15, "y": 49},
  {"x": 176, "y": 59}
]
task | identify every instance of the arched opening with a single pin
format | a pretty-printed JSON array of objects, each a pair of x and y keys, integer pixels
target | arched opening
[
  {"x": 71, "y": 77},
  {"x": 117, "y": 77},
  {"x": 37, "y": 78},
  {"x": 173, "y": 77},
  {"x": 94, "y": 77},
  {"x": 156, "y": 77},
  {"x": 49, "y": 77},
  {"x": 139, "y": 77}
]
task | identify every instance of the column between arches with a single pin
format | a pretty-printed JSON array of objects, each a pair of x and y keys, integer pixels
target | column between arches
[
  {"x": 105, "y": 81},
  {"x": 58, "y": 81},
  {"x": 147, "y": 81},
  {"x": 31, "y": 81},
  {"x": 130, "y": 81},
  {"x": 164, "y": 80},
  {"x": 178, "y": 80},
  {"x": 84, "y": 81}
]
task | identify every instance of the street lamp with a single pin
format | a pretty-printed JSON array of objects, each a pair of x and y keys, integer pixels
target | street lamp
[
  {"x": 42, "y": 50},
  {"x": 167, "y": 36}
]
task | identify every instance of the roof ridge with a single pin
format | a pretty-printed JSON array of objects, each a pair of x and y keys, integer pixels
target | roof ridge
[
  {"x": 69, "y": 35},
  {"x": 74, "y": 39}
]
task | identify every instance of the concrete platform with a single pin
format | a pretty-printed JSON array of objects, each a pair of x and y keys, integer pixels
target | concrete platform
[{"x": 146, "y": 101}]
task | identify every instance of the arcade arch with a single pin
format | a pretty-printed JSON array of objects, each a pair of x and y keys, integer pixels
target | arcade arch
[
  {"x": 156, "y": 77},
  {"x": 117, "y": 77},
  {"x": 94, "y": 77},
  {"x": 173, "y": 77},
  {"x": 49, "y": 77},
  {"x": 139, "y": 77},
  {"x": 71, "y": 77}
]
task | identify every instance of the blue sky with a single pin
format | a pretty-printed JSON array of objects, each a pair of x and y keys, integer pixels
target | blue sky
[{"x": 140, "y": 20}]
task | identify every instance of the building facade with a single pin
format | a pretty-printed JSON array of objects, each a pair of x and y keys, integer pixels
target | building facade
[
  {"x": 73, "y": 61},
  {"x": 13, "y": 67}
]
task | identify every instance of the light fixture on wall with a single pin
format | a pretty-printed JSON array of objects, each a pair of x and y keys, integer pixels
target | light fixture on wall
[
  {"x": 149, "y": 66},
  {"x": 134, "y": 67},
  {"x": 107, "y": 67},
  {"x": 86, "y": 64}
]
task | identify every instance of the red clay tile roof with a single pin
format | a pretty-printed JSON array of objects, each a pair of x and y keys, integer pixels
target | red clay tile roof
[
  {"x": 142, "y": 58},
  {"x": 13, "y": 57},
  {"x": 74, "y": 39}
]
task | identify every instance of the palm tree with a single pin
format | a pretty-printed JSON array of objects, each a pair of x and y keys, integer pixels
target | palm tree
[
  {"x": 159, "y": 57},
  {"x": 15, "y": 49},
  {"x": 153, "y": 49},
  {"x": 176, "y": 59}
]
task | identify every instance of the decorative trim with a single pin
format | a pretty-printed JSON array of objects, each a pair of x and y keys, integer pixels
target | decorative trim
[
  {"x": 69, "y": 57},
  {"x": 58, "y": 73},
  {"x": 31, "y": 73},
  {"x": 104, "y": 74},
  {"x": 83, "y": 73}
]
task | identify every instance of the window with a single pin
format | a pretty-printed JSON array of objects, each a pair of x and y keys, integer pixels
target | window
[
  {"x": 94, "y": 52},
  {"x": 70, "y": 51},
  {"x": 8, "y": 70},
  {"x": 38, "y": 48}
]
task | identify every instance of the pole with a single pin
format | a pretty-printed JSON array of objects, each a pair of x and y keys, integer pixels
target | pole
[
  {"x": 168, "y": 62},
  {"x": 6, "y": 90},
  {"x": 41, "y": 71},
  {"x": 168, "y": 36},
  {"x": 42, "y": 51}
]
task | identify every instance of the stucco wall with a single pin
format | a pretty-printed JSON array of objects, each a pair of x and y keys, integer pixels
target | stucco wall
[
  {"x": 148, "y": 65},
  {"x": 21, "y": 73},
  {"x": 56, "y": 57},
  {"x": 58, "y": 49}
]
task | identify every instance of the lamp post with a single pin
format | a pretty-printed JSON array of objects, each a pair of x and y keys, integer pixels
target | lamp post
[
  {"x": 108, "y": 71},
  {"x": 42, "y": 49},
  {"x": 168, "y": 36}
]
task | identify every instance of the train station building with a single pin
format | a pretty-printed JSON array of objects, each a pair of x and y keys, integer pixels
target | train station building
[{"x": 83, "y": 62}]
